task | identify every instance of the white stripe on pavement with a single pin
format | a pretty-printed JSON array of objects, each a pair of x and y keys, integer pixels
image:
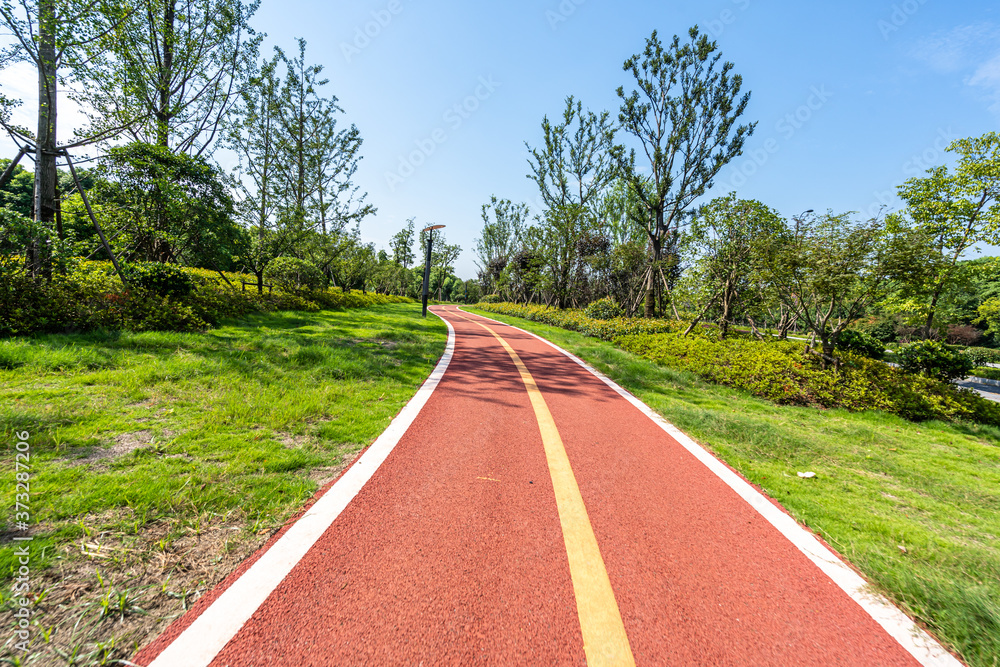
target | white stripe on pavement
[{"x": 198, "y": 645}]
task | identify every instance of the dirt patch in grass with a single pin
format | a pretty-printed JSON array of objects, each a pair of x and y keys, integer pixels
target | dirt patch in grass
[
  {"x": 293, "y": 441},
  {"x": 124, "y": 444},
  {"x": 327, "y": 474},
  {"x": 112, "y": 593}
]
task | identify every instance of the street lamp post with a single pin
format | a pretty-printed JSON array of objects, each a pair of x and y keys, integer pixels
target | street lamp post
[{"x": 427, "y": 264}]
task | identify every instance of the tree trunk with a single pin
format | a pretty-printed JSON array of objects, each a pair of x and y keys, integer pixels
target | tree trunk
[
  {"x": 930, "y": 315},
  {"x": 650, "y": 308},
  {"x": 45, "y": 155},
  {"x": 163, "y": 115},
  {"x": 727, "y": 303}
]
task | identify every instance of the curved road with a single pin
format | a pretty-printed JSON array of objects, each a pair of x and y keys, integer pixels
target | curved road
[{"x": 532, "y": 515}]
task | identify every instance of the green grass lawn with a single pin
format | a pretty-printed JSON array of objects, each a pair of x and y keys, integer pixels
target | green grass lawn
[
  {"x": 159, "y": 460},
  {"x": 915, "y": 507}
]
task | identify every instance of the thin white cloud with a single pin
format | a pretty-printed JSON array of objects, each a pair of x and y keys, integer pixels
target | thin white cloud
[
  {"x": 969, "y": 50},
  {"x": 956, "y": 49},
  {"x": 987, "y": 78}
]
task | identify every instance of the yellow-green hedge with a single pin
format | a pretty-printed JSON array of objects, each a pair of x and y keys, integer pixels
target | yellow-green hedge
[
  {"x": 775, "y": 370},
  {"x": 92, "y": 297}
]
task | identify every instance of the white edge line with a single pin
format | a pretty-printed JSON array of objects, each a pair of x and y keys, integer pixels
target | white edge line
[
  {"x": 924, "y": 648},
  {"x": 200, "y": 642}
]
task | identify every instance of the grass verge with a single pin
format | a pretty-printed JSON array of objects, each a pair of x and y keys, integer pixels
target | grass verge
[
  {"x": 915, "y": 507},
  {"x": 159, "y": 461}
]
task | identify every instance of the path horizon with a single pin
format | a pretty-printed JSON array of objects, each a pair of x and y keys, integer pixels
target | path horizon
[{"x": 523, "y": 509}]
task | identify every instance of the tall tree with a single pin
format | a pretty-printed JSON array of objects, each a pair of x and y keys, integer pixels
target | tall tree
[
  {"x": 320, "y": 160},
  {"x": 563, "y": 228},
  {"x": 683, "y": 113},
  {"x": 402, "y": 245},
  {"x": 574, "y": 164},
  {"x": 179, "y": 66},
  {"x": 64, "y": 40},
  {"x": 503, "y": 225},
  {"x": 828, "y": 270},
  {"x": 339, "y": 201},
  {"x": 957, "y": 210},
  {"x": 729, "y": 241},
  {"x": 254, "y": 136}
]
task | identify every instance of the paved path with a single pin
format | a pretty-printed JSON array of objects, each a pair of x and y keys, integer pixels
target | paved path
[
  {"x": 987, "y": 390},
  {"x": 530, "y": 514}
]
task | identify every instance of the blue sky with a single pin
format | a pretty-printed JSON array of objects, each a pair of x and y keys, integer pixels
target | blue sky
[{"x": 852, "y": 97}]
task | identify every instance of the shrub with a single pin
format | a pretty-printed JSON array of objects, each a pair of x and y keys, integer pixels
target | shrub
[
  {"x": 776, "y": 370},
  {"x": 861, "y": 343},
  {"x": 492, "y": 298},
  {"x": 881, "y": 329},
  {"x": 963, "y": 334},
  {"x": 576, "y": 320},
  {"x": 981, "y": 356},
  {"x": 604, "y": 309},
  {"x": 931, "y": 359},
  {"x": 161, "y": 279},
  {"x": 92, "y": 297},
  {"x": 293, "y": 275}
]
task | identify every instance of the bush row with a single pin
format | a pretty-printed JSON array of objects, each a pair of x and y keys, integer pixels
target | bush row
[
  {"x": 980, "y": 356},
  {"x": 777, "y": 370},
  {"x": 577, "y": 320},
  {"x": 162, "y": 299}
]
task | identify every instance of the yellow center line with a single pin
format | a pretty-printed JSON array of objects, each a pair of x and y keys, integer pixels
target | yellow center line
[{"x": 604, "y": 638}]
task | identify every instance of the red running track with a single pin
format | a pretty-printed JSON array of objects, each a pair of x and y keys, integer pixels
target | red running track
[{"x": 453, "y": 552}]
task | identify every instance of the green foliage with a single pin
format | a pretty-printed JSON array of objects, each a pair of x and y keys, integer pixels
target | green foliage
[
  {"x": 168, "y": 207},
  {"x": 989, "y": 314},
  {"x": 90, "y": 296},
  {"x": 879, "y": 328},
  {"x": 492, "y": 298},
  {"x": 161, "y": 279},
  {"x": 779, "y": 371},
  {"x": 829, "y": 269},
  {"x": 293, "y": 275},
  {"x": 604, "y": 309},
  {"x": 16, "y": 194},
  {"x": 729, "y": 240},
  {"x": 934, "y": 360},
  {"x": 860, "y": 342},
  {"x": 576, "y": 320},
  {"x": 980, "y": 356},
  {"x": 776, "y": 370},
  {"x": 954, "y": 211}
]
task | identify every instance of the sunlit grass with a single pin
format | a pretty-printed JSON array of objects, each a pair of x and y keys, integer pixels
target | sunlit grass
[{"x": 178, "y": 425}]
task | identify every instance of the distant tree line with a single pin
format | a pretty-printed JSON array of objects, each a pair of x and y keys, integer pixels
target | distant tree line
[{"x": 621, "y": 220}]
